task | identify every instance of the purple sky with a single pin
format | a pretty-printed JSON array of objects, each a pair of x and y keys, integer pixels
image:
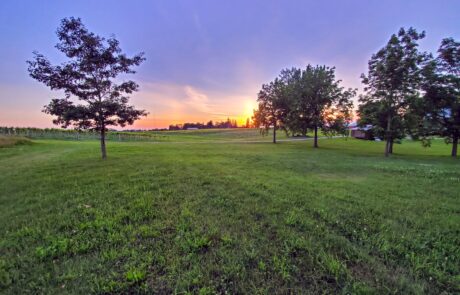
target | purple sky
[{"x": 207, "y": 59}]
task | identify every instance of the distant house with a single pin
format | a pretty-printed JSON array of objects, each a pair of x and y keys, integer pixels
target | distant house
[
  {"x": 192, "y": 128},
  {"x": 359, "y": 132}
]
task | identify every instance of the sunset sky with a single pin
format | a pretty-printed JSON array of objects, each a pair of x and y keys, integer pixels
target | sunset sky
[{"x": 206, "y": 60}]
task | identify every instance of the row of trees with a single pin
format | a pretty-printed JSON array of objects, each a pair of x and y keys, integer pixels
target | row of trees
[
  {"x": 209, "y": 125},
  {"x": 299, "y": 100},
  {"x": 407, "y": 92}
]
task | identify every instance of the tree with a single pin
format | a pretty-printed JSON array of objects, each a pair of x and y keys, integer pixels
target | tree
[
  {"x": 89, "y": 75},
  {"x": 393, "y": 77},
  {"x": 248, "y": 123},
  {"x": 318, "y": 101},
  {"x": 272, "y": 107},
  {"x": 441, "y": 104},
  {"x": 374, "y": 113}
]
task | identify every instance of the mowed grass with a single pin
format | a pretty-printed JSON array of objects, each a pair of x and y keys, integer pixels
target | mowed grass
[
  {"x": 253, "y": 218},
  {"x": 221, "y": 135},
  {"x": 9, "y": 141}
]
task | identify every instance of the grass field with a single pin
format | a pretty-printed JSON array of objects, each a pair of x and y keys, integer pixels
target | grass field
[
  {"x": 252, "y": 218},
  {"x": 204, "y": 135},
  {"x": 201, "y": 135},
  {"x": 10, "y": 141}
]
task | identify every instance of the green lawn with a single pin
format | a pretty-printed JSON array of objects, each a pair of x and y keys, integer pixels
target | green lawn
[
  {"x": 179, "y": 136},
  {"x": 252, "y": 218},
  {"x": 10, "y": 141},
  {"x": 201, "y": 135}
]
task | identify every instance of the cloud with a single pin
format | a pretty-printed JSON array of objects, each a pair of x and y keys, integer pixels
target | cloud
[
  {"x": 170, "y": 103},
  {"x": 197, "y": 100},
  {"x": 167, "y": 103},
  {"x": 200, "y": 29}
]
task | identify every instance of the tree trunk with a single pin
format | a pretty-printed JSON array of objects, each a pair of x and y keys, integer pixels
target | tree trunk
[
  {"x": 388, "y": 137},
  {"x": 103, "y": 150},
  {"x": 391, "y": 146},
  {"x": 454, "y": 146},
  {"x": 315, "y": 142},
  {"x": 274, "y": 132}
]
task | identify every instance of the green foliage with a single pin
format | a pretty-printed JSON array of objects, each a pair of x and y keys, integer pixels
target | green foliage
[
  {"x": 319, "y": 102},
  {"x": 135, "y": 275},
  {"x": 439, "y": 109},
  {"x": 5, "y": 279},
  {"x": 273, "y": 107},
  {"x": 89, "y": 74},
  {"x": 393, "y": 79},
  {"x": 301, "y": 100}
]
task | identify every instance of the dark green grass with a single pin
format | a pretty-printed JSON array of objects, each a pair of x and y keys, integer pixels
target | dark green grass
[
  {"x": 11, "y": 141},
  {"x": 236, "y": 218}
]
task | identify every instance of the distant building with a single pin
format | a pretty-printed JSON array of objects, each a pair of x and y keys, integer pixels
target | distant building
[
  {"x": 192, "y": 128},
  {"x": 359, "y": 132}
]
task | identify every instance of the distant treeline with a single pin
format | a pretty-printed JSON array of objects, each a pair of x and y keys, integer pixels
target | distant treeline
[
  {"x": 54, "y": 133},
  {"x": 210, "y": 125}
]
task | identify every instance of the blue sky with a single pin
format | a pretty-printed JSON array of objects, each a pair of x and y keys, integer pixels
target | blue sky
[{"x": 208, "y": 59}]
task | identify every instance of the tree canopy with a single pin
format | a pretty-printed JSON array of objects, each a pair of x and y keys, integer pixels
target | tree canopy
[
  {"x": 440, "y": 107},
  {"x": 301, "y": 100},
  {"x": 394, "y": 76},
  {"x": 89, "y": 75},
  {"x": 319, "y": 102},
  {"x": 273, "y": 107}
]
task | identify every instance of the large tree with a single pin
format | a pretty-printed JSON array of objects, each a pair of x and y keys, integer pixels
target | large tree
[
  {"x": 89, "y": 75},
  {"x": 393, "y": 78},
  {"x": 319, "y": 102},
  {"x": 441, "y": 100},
  {"x": 272, "y": 107}
]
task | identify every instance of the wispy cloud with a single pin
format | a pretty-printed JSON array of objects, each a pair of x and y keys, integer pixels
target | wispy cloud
[
  {"x": 170, "y": 103},
  {"x": 200, "y": 29},
  {"x": 197, "y": 100}
]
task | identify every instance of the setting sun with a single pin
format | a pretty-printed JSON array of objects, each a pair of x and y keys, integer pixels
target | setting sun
[{"x": 248, "y": 111}]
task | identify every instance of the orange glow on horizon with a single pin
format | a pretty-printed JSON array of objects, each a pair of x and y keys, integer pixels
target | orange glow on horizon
[
  {"x": 248, "y": 112},
  {"x": 167, "y": 104},
  {"x": 153, "y": 120}
]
